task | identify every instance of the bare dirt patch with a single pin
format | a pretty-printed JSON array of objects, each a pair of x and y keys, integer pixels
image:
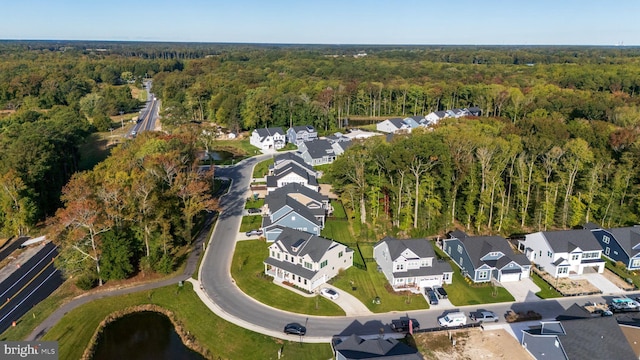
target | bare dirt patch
[
  {"x": 568, "y": 286},
  {"x": 617, "y": 280},
  {"x": 470, "y": 344}
]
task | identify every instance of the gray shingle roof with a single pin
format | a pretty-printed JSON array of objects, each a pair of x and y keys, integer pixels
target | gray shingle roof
[
  {"x": 307, "y": 244},
  {"x": 264, "y": 132},
  {"x": 355, "y": 347},
  {"x": 627, "y": 237},
  {"x": 397, "y": 122},
  {"x": 295, "y": 188},
  {"x": 569, "y": 240},
  {"x": 319, "y": 148},
  {"x": 290, "y": 267},
  {"x": 277, "y": 203},
  {"x": 479, "y": 246},
  {"x": 293, "y": 167},
  {"x": 422, "y": 248},
  {"x": 595, "y": 338}
]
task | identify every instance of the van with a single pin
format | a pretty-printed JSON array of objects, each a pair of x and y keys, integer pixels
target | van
[{"x": 453, "y": 319}]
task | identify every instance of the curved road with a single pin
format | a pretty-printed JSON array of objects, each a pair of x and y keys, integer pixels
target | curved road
[{"x": 231, "y": 303}]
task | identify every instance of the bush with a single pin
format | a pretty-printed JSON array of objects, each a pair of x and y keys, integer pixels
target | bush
[
  {"x": 165, "y": 265},
  {"x": 87, "y": 282}
]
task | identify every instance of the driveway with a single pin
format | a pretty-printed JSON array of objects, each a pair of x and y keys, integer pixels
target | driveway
[
  {"x": 599, "y": 281},
  {"x": 349, "y": 303},
  {"x": 523, "y": 290}
]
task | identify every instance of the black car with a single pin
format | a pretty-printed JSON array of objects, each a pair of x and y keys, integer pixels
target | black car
[
  {"x": 295, "y": 329},
  {"x": 402, "y": 324},
  {"x": 254, "y": 211},
  {"x": 441, "y": 292},
  {"x": 433, "y": 298}
]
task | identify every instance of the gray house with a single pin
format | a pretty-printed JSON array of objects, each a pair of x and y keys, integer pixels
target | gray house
[
  {"x": 356, "y": 347},
  {"x": 482, "y": 258},
  {"x": 299, "y": 134},
  {"x": 411, "y": 264},
  {"x": 306, "y": 260},
  {"x": 317, "y": 203},
  {"x": 317, "y": 152},
  {"x": 598, "y": 338},
  {"x": 287, "y": 212}
]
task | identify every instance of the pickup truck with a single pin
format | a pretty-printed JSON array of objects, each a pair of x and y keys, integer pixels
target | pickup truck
[
  {"x": 624, "y": 304},
  {"x": 483, "y": 316},
  {"x": 402, "y": 324}
]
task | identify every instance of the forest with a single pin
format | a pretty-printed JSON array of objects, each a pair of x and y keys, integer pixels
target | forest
[{"x": 555, "y": 147}]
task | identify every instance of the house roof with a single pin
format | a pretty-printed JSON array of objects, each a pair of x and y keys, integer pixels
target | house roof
[
  {"x": 278, "y": 173},
  {"x": 628, "y": 238},
  {"x": 295, "y": 188},
  {"x": 421, "y": 247},
  {"x": 397, "y": 122},
  {"x": 292, "y": 268},
  {"x": 569, "y": 240},
  {"x": 319, "y": 148},
  {"x": 289, "y": 156},
  {"x": 457, "y": 234},
  {"x": 307, "y": 128},
  {"x": 355, "y": 347},
  {"x": 479, "y": 246},
  {"x": 276, "y": 203},
  {"x": 300, "y": 243},
  {"x": 595, "y": 338},
  {"x": 264, "y": 132}
]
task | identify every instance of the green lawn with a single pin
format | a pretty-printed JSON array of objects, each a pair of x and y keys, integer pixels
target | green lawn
[
  {"x": 462, "y": 293},
  {"x": 251, "y": 222},
  {"x": 240, "y": 147},
  {"x": 254, "y": 203},
  {"x": 337, "y": 230},
  {"x": 338, "y": 210},
  {"x": 546, "y": 290},
  {"x": 262, "y": 168},
  {"x": 223, "y": 339},
  {"x": 247, "y": 270}
]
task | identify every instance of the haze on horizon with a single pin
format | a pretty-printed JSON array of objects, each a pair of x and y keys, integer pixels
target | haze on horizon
[{"x": 409, "y": 22}]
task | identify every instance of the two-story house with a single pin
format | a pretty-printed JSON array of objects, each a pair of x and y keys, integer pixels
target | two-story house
[
  {"x": 299, "y": 134},
  {"x": 561, "y": 253},
  {"x": 435, "y": 116},
  {"x": 268, "y": 138},
  {"x": 305, "y": 260},
  {"x": 619, "y": 244},
  {"x": 282, "y": 212},
  {"x": 393, "y": 125},
  {"x": 317, "y": 152},
  {"x": 283, "y": 160},
  {"x": 292, "y": 173},
  {"x": 411, "y": 264},
  {"x": 482, "y": 258}
]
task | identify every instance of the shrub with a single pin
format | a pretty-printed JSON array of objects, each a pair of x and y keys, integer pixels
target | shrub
[{"x": 87, "y": 281}]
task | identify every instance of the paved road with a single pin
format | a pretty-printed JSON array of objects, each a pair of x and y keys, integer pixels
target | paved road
[
  {"x": 231, "y": 303},
  {"x": 11, "y": 246},
  {"x": 28, "y": 285},
  {"x": 148, "y": 114}
]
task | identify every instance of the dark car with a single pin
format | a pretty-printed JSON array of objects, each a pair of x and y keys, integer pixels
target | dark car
[
  {"x": 402, "y": 324},
  {"x": 441, "y": 292},
  {"x": 254, "y": 211},
  {"x": 295, "y": 329},
  {"x": 433, "y": 298}
]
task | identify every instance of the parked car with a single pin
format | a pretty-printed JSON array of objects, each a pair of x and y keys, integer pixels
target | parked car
[
  {"x": 402, "y": 324},
  {"x": 440, "y": 291},
  {"x": 295, "y": 329},
  {"x": 431, "y": 295},
  {"x": 453, "y": 319},
  {"x": 329, "y": 293},
  {"x": 483, "y": 316},
  {"x": 254, "y": 232},
  {"x": 623, "y": 304},
  {"x": 254, "y": 211}
]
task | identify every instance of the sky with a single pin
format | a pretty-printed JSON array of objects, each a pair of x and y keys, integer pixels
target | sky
[{"x": 397, "y": 22}]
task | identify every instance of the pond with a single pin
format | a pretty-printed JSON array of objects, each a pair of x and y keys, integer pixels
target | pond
[
  {"x": 140, "y": 336},
  {"x": 221, "y": 155}
]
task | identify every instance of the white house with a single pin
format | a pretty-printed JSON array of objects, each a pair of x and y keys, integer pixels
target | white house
[
  {"x": 268, "y": 138},
  {"x": 289, "y": 174},
  {"x": 564, "y": 252},
  {"x": 393, "y": 125},
  {"x": 435, "y": 116},
  {"x": 411, "y": 264},
  {"x": 305, "y": 260}
]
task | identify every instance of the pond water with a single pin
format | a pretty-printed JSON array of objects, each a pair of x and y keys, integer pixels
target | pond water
[
  {"x": 220, "y": 155},
  {"x": 144, "y": 335}
]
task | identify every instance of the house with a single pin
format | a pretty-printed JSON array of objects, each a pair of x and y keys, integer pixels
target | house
[
  {"x": 287, "y": 212},
  {"x": 356, "y": 347},
  {"x": 292, "y": 173},
  {"x": 284, "y": 160},
  {"x": 268, "y": 138},
  {"x": 598, "y": 338},
  {"x": 434, "y": 117},
  {"x": 340, "y": 147},
  {"x": 483, "y": 258},
  {"x": 411, "y": 264},
  {"x": 317, "y": 152},
  {"x": 619, "y": 244},
  {"x": 411, "y": 122},
  {"x": 357, "y": 134},
  {"x": 457, "y": 113},
  {"x": 312, "y": 200},
  {"x": 306, "y": 260},
  {"x": 562, "y": 252},
  {"x": 393, "y": 125},
  {"x": 299, "y": 134},
  {"x": 474, "y": 111}
]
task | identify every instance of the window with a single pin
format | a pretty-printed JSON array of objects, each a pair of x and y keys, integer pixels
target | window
[
  {"x": 590, "y": 255},
  {"x": 399, "y": 266},
  {"x": 563, "y": 270},
  {"x": 461, "y": 262},
  {"x": 278, "y": 256},
  {"x": 286, "y": 257},
  {"x": 483, "y": 275},
  {"x": 460, "y": 249},
  {"x": 549, "y": 254},
  {"x": 324, "y": 263},
  {"x": 635, "y": 263},
  {"x": 605, "y": 239},
  {"x": 340, "y": 254},
  {"x": 273, "y": 253},
  {"x": 308, "y": 265},
  {"x": 607, "y": 250},
  {"x": 575, "y": 257}
]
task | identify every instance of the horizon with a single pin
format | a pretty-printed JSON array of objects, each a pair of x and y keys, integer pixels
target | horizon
[{"x": 334, "y": 22}]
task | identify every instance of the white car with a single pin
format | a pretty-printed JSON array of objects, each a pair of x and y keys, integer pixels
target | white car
[{"x": 329, "y": 293}]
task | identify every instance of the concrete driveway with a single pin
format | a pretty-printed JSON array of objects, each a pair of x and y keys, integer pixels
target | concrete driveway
[
  {"x": 599, "y": 281},
  {"x": 523, "y": 290}
]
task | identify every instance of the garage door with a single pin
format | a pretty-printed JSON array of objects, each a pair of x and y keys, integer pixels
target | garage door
[
  {"x": 429, "y": 283},
  {"x": 506, "y": 277}
]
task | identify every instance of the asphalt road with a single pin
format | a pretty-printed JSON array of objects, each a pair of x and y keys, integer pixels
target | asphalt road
[
  {"x": 219, "y": 286},
  {"x": 28, "y": 285},
  {"x": 148, "y": 114},
  {"x": 11, "y": 246}
]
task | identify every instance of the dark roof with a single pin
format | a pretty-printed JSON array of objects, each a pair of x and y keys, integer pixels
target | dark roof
[
  {"x": 290, "y": 267},
  {"x": 264, "y": 132},
  {"x": 300, "y": 243},
  {"x": 628, "y": 238},
  {"x": 292, "y": 167},
  {"x": 569, "y": 240},
  {"x": 457, "y": 234},
  {"x": 277, "y": 203},
  {"x": 289, "y": 156},
  {"x": 418, "y": 118},
  {"x": 295, "y": 188},
  {"x": 479, "y": 246},
  {"x": 307, "y": 128},
  {"x": 319, "y": 148},
  {"x": 355, "y": 347},
  {"x": 595, "y": 338},
  {"x": 421, "y": 247}
]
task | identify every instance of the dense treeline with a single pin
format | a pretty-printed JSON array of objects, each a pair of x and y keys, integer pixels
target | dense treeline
[
  {"x": 133, "y": 211},
  {"x": 491, "y": 176}
]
